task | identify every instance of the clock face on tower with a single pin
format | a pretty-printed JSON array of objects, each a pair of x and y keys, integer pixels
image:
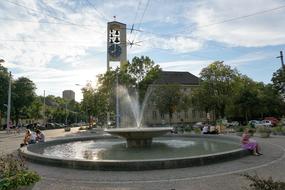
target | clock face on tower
[{"x": 115, "y": 50}]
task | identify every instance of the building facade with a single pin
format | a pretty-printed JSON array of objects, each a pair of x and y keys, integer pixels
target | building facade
[
  {"x": 187, "y": 82},
  {"x": 68, "y": 95}
]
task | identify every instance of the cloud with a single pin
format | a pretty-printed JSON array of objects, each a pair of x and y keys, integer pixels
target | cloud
[
  {"x": 256, "y": 31},
  {"x": 249, "y": 58}
]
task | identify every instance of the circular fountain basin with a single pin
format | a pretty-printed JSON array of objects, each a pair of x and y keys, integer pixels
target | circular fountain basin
[
  {"x": 139, "y": 136},
  {"x": 110, "y": 153}
]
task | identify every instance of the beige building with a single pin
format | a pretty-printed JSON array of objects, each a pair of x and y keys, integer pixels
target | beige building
[
  {"x": 188, "y": 82},
  {"x": 68, "y": 95}
]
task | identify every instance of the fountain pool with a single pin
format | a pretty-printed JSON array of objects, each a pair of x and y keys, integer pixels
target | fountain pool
[{"x": 110, "y": 153}]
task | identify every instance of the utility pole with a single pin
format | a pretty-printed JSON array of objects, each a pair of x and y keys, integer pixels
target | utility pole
[
  {"x": 281, "y": 58},
  {"x": 44, "y": 108},
  {"x": 9, "y": 101},
  {"x": 66, "y": 114},
  {"x": 117, "y": 103}
]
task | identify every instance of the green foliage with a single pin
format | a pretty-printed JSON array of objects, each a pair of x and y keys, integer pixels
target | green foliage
[
  {"x": 258, "y": 183},
  {"x": 278, "y": 80},
  {"x": 23, "y": 94},
  {"x": 197, "y": 130},
  {"x": 144, "y": 71},
  {"x": 22, "y": 178},
  {"x": 263, "y": 129},
  {"x": 14, "y": 173},
  {"x": 167, "y": 99},
  {"x": 226, "y": 92},
  {"x": 188, "y": 129},
  {"x": 278, "y": 129},
  {"x": 139, "y": 74},
  {"x": 239, "y": 129},
  {"x": 4, "y": 81},
  {"x": 216, "y": 88}
]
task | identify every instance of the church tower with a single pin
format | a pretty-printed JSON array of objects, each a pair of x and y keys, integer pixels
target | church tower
[{"x": 116, "y": 43}]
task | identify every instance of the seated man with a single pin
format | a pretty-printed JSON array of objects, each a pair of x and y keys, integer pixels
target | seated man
[{"x": 205, "y": 129}]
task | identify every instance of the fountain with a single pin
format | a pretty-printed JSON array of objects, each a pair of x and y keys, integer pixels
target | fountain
[
  {"x": 147, "y": 148},
  {"x": 139, "y": 135}
]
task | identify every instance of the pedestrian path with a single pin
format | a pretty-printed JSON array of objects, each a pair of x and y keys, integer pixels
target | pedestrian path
[{"x": 221, "y": 176}]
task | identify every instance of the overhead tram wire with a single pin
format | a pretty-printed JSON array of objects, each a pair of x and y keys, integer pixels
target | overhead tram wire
[
  {"x": 131, "y": 42},
  {"x": 102, "y": 15},
  {"x": 135, "y": 19},
  {"x": 49, "y": 15},
  {"x": 215, "y": 23},
  {"x": 139, "y": 25}
]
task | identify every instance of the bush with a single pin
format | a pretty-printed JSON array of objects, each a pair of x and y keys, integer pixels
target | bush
[
  {"x": 82, "y": 128},
  {"x": 239, "y": 129},
  {"x": 263, "y": 129},
  {"x": 258, "y": 183},
  {"x": 278, "y": 130},
  {"x": 197, "y": 130},
  {"x": 22, "y": 178},
  {"x": 14, "y": 173}
]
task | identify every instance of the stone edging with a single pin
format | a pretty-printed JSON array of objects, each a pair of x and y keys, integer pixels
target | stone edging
[{"x": 133, "y": 165}]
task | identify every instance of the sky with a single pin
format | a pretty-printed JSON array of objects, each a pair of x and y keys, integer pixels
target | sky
[{"x": 61, "y": 44}]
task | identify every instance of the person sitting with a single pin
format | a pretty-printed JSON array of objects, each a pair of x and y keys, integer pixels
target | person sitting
[
  {"x": 205, "y": 129},
  {"x": 40, "y": 137},
  {"x": 250, "y": 144},
  {"x": 213, "y": 130},
  {"x": 27, "y": 138},
  {"x": 32, "y": 138}
]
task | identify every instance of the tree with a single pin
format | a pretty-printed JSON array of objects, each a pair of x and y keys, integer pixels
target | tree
[
  {"x": 35, "y": 109},
  {"x": 271, "y": 102},
  {"x": 167, "y": 99},
  {"x": 4, "y": 83},
  {"x": 23, "y": 94},
  {"x": 216, "y": 88},
  {"x": 139, "y": 74},
  {"x": 144, "y": 71},
  {"x": 278, "y": 80}
]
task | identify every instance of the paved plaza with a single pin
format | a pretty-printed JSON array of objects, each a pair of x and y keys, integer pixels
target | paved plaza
[{"x": 221, "y": 176}]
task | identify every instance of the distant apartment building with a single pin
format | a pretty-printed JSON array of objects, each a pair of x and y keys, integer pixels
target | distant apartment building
[
  {"x": 187, "y": 83},
  {"x": 68, "y": 95}
]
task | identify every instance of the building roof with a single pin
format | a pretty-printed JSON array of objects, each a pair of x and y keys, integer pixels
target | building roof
[{"x": 174, "y": 77}]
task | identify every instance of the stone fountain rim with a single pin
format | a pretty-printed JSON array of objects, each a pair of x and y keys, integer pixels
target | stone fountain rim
[
  {"x": 131, "y": 165},
  {"x": 139, "y": 129}
]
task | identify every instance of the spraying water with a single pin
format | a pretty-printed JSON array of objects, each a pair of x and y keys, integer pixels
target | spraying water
[{"x": 131, "y": 112}]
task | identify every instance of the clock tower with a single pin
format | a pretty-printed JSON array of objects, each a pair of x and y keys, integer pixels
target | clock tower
[{"x": 116, "y": 43}]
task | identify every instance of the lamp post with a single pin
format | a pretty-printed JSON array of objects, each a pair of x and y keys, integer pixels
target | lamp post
[
  {"x": 117, "y": 103},
  {"x": 9, "y": 97},
  {"x": 44, "y": 109},
  {"x": 1, "y": 61},
  {"x": 9, "y": 102}
]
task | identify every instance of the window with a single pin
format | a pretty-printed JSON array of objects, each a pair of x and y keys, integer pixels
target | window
[
  {"x": 186, "y": 114},
  {"x": 193, "y": 113},
  {"x": 162, "y": 115},
  {"x": 154, "y": 115},
  {"x": 178, "y": 116},
  {"x": 201, "y": 114}
]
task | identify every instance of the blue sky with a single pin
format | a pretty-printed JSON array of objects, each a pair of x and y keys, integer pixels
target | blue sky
[{"x": 60, "y": 43}]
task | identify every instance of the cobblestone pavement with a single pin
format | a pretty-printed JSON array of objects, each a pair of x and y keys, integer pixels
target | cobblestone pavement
[{"x": 221, "y": 176}]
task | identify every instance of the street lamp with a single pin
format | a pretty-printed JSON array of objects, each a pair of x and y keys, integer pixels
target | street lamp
[{"x": 9, "y": 97}]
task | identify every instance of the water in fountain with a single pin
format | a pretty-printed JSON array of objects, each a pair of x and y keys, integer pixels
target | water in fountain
[{"x": 131, "y": 112}]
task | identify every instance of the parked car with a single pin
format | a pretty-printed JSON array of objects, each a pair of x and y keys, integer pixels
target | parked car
[
  {"x": 233, "y": 124},
  {"x": 254, "y": 123},
  {"x": 257, "y": 123},
  {"x": 199, "y": 125},
  {"x": 266, "y": 123},
  {"x": 273, "y": 120}
]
